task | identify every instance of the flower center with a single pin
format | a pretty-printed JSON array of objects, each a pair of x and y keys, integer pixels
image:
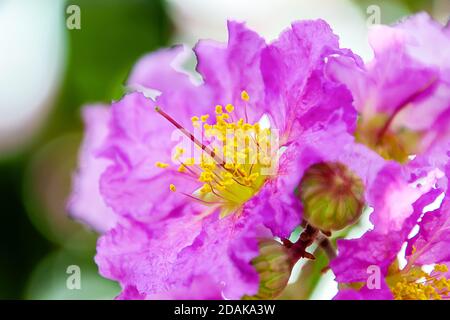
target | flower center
[
  {"x": 378, "y": 134},
  {"x": 415, "y": 284},
  {"x": 384, "y": 134},
  {"x": 234, "y": 159}
]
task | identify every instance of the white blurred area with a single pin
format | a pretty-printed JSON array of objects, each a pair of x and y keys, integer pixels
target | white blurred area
[
  {"x": 207, "y": 19},
  {"x": 32, "y": 52}
]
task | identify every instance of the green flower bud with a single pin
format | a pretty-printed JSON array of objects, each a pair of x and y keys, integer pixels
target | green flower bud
[
  {"x": 274, "y": 266},
  {"x": 332, "y": 196}
]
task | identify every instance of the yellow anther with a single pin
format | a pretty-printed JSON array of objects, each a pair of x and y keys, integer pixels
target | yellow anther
[
  {"x": 206, "y": 176},
  {"x": 245, "y": 96},
  {"x": 195, "y": 121},
  {"x": 229, "y": 108},
  {"x": 441, "y": 268},
  {"x": 253, "y": 176},
  {"x": 208, "y": 165},
  {"x": 181, "y": 169},
  {"x": 204, "y": 117},
  {"x": 266, "y": 161},
  {"x": 219, "y": 109},
  {"x": 161, "y": 165},
  {"x": 172, "y": 188},
  {"x": 189, "y": 162},
  {"x": 227, "y": 179},
  {"x": 226, "y": 175},
  {"x": 205, "y": 188},
  {"x": 241, "y": 155}
]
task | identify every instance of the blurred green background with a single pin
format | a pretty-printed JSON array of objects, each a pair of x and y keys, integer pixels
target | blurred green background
[{"x": 73, "y": 68}]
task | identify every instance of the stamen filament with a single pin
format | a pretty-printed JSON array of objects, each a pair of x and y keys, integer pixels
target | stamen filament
[
  {"x": 198, "y": 199},
  {"x": 189, "y": 135}
]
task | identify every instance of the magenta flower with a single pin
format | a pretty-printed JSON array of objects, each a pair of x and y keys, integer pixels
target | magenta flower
[
  {"x": 188, "y": 217},
  {"x": 369, "y": 267},
  {"x": 86, "y": 203},
  {"x": 403, "y": 95}
]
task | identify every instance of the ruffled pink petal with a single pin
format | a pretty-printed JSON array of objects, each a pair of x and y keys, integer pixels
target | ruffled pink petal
[
  {"x": 383, "y": 293},
  {"x": 230, "y": 68},
  {"x": 141, "y": 256},
  {"x": 432, "y": 242},
  {"x": 357, "y": 255},
  {"x": 161, "y": 70},
  {"x": 224, "y": 250},
  {"x": 293, "y": 71},
  {"x": 130, "y": 293},
  {"x": 86, "y": 203},
  {"x": 166, "y": 259},
  {"x": 409, "y": 79},
  {"x": 202, "y": 288},
  {"x": 397, "y": 209},
  {"x": 426, "y": 40},
  {"x": 178, "y": 94},
  {"x": 139, "y": 137},
  {"x": 397, "y": 203}
]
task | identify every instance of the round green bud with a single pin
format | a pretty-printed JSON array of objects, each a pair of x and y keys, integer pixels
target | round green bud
[
  {"x": 274, "y": 266},
  {"x": 332, "y": 196}
]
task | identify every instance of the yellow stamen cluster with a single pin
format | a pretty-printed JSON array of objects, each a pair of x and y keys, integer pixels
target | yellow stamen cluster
[
  {"x": 232, "y": 161},
  {"x": 244, "y": 149},
  {"x": 419, "y": 285}
]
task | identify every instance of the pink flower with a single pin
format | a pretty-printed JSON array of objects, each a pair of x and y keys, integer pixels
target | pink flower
[
  {"x": 187, "y": 226},
  {"x": 403, "y": 95},
  {"x": 369, "y": 267},
  {"x": 86, "y": 203}
]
